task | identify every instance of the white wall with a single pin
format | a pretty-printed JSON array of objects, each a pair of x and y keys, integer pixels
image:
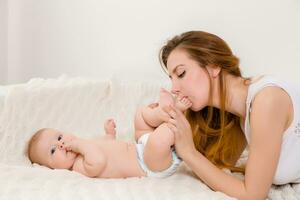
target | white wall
[
  {"x": 100, "y": 38},
  {"x": 3, "y": 41}
]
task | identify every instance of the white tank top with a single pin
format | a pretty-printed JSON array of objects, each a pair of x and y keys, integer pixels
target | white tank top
[{"x": 288, "y": 169}]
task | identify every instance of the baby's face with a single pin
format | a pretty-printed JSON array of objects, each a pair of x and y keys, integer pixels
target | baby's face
[{"x": 51, "y": 152}]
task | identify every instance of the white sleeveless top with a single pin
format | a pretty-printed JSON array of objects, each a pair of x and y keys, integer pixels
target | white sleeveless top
[{"x": 288, "y": 169}]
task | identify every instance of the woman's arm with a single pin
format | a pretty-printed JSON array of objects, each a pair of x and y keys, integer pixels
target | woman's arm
[{"x": 268, "y": 121}]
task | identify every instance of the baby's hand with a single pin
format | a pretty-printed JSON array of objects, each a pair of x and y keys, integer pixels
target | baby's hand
[{"x": 73, "y": 145}]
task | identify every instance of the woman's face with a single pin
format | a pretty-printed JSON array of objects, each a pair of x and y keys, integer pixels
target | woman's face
[{"x": 188, "y": 79}]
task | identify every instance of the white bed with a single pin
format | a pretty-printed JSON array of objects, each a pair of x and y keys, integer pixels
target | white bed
[{"x": 80, "y": 106}]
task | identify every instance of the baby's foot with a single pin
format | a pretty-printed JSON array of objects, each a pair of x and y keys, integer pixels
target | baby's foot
[
  {"x": 110, "y": 127},
  {"x": 182, "y": 103},
  {"x": 165, "y": 98}
]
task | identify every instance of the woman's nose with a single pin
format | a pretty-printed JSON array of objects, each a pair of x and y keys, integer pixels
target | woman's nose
[
  {"x": 175, "y": 88},
  {"x": 176, "y": 92}
]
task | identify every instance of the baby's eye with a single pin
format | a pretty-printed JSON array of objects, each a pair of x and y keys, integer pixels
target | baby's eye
[
  {"x": 59, "y": 137},
  {"x": 53, "y": 150}
]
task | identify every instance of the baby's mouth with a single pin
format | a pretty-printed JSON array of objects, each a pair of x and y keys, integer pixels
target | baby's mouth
[{"x": 69, "y": 152}]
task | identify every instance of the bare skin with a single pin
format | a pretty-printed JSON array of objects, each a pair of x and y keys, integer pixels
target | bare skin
[
  {"x": 272, "y": 106},
  {"x": 106, "y": 157},
  {"x": 102, "y": 157},
  {"x": 157, "y": 152}
]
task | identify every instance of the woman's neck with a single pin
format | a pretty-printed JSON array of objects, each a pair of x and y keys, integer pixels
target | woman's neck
[{"x": 236, "y": 94}]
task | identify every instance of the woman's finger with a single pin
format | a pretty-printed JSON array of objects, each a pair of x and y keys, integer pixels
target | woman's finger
[
  {"x": 171, "y": 111},
  {"x": 179, "y": 114},
  {"x": 176, "y": 110},
  {"x": 172, "y": 127},
  {"x": 168, "y": 110},
  {"x": 172, "y": 114},
  {"x": 173, "y": 121}
]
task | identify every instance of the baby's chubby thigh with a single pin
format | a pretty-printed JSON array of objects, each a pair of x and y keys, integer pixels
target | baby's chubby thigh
[
  {"x": 140, "y": 126},
  {"x": 157, "y": 151}
]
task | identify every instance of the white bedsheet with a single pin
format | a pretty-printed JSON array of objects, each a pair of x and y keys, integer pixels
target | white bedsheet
[{"x": 80, "y": 106}]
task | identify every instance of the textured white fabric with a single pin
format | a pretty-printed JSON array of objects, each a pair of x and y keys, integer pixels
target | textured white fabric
[{"x": 80, "y": 106}]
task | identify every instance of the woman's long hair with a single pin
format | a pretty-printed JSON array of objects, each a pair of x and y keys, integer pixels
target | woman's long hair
[{"x": 216, "y": 132}]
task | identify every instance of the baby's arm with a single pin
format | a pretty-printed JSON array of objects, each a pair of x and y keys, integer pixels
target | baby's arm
[{"x": 91, "y": 161}]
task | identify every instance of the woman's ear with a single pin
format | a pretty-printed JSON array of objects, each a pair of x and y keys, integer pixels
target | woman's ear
[{"x": 213, "y": 71}]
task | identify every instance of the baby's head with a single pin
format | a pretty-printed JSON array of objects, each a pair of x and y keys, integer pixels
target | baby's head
[{"x": 47, "y": 147}]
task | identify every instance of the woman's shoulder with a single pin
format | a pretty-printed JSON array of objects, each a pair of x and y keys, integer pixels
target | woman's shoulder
[
  {"x": 270, "y": 94},
  {"x": 262, "y": 80},
  {"x": 273, "y": 103},
  {"x": 267, "y": 89},
  {"x": 267, "y": 86}
]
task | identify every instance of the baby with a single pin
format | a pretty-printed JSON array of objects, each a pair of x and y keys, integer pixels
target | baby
[{"x": 152, "y": 154}]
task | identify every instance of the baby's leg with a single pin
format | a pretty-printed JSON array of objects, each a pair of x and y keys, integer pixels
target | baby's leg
[
  {"x": 157, "y": 152},
  {"x": 165, "y": 98},
  {"x": 155, "y": 115},
  {"x": 140, "y": 126},
  {"x": 182, "y": 103}
]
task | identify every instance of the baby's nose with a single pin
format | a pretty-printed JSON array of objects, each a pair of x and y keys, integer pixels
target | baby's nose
[{"x": 61, "y": 145}]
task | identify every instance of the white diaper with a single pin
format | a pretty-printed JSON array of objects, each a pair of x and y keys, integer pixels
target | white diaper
[{"x": 140, "y": 155}]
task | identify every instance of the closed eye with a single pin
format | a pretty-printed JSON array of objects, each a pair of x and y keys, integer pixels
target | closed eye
[{"x": 181, "y": 75}]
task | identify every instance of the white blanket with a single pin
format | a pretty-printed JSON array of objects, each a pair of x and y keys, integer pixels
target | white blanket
[{"x": 80, "y": 106}]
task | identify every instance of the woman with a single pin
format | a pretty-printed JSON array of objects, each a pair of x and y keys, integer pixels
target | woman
[{"x": 228, "y": 111}]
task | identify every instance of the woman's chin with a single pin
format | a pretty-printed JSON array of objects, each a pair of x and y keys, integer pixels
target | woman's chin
[{"x": 195, "y": 108}]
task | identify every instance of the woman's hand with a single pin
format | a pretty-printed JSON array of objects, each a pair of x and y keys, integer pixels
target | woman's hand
[{"x": 181, "y": 128}]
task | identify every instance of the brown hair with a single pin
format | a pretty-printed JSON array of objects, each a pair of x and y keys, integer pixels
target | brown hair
[
  {"x": 31, "y": 144},
  {"x": 216, "y": 132}
]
